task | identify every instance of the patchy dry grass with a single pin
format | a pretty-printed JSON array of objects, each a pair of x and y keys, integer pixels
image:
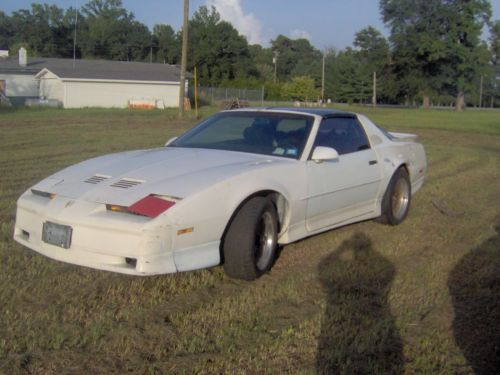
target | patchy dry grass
[{"x": 422, "y": 297}]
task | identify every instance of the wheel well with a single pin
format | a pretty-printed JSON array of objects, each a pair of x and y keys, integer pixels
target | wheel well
[
  {"x": 402, "y": 165},
  {"x": 405, "y": 166},
  {"x": 279, "y": 201}
]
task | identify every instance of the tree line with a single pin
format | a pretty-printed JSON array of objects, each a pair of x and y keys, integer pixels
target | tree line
[{"x": 433, "y": 55}]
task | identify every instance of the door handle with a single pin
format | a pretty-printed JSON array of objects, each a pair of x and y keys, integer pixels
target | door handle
[{"x": 372, "y": 162}]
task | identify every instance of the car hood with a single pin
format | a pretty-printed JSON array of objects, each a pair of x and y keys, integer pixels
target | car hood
[{"x": 126, "y": 177}]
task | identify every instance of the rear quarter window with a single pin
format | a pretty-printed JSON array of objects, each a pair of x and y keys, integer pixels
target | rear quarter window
[{"x": 344, "y": 134}]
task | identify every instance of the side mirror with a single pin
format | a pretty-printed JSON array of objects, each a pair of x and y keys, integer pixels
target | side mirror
[
  {"x": 170, "y": 141},
  {"x": 322, "y": 153}
]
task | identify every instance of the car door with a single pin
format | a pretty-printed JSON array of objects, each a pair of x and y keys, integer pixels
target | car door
[{"x": 344, "y": 188}]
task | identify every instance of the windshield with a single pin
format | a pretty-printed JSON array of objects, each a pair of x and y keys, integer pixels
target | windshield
[{"x": 278, "y": 134}]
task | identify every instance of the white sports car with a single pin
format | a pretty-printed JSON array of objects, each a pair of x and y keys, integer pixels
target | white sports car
[{"x": 230, "y": 190}]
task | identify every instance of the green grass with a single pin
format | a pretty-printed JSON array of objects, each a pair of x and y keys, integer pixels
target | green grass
[
  {"x": 469, "y": 121},
  {"x": 422, "y": 297}
]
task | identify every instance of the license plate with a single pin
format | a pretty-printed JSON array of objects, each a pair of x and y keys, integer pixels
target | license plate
[{"x": 57, "y": 234}]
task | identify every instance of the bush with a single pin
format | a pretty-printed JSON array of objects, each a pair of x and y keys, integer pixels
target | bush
[{"x": 301, "y": 88}]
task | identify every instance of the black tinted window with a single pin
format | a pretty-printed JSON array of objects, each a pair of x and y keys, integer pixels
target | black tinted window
[{"x": 344, "y": 134}]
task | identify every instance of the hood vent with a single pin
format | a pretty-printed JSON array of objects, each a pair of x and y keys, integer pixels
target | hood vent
[
  {"x": 126, "y": 183},
  {"x": 96, "y": 179}
]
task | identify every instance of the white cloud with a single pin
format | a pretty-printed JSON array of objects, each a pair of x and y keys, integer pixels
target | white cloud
[
  {"x": 246, "y": 24},
  {"x": 300, "y": 34}
]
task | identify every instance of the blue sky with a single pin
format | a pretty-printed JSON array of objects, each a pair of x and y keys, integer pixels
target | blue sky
[{"x": 326, "y": 23}]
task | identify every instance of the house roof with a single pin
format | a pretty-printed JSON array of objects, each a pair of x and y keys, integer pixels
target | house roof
[{"x": 93, "y": 69}]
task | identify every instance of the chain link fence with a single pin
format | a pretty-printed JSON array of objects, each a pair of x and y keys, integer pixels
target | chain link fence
[{"x": 213, "y": 95}]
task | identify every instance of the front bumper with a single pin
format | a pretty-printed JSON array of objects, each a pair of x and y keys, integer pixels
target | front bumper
[{"x": 105, "y": 240}]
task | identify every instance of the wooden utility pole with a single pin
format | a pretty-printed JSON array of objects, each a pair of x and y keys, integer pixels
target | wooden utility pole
[
  {"x": 481, "y": 92},
  {"x": 275, "y": 62},
  {"x": 182, "y": 83},
  {"x": 74, "y": 37},
  {"x": 460, "y": 102},
  {"x": 195, "y": 92},
  {"x": 374, "y": 96},
  {"x": 323, "y": 80}
]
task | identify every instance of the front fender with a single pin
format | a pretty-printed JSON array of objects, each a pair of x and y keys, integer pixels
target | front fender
[{"x": 209, "y": 211}]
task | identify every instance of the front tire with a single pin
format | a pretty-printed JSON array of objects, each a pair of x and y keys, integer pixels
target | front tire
[
  {"x": 250, "y": 243},
  {"x": 397, "y": 198}
]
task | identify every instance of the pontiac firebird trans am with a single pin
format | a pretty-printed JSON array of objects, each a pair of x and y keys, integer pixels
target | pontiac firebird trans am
[{"x": 230, "y": 190}]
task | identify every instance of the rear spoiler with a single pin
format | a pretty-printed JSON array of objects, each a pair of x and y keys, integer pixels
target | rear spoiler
[{"x": 403, "y": 137}]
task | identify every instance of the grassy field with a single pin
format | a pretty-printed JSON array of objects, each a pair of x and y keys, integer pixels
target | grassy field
[{"x": 423, "y": 297}]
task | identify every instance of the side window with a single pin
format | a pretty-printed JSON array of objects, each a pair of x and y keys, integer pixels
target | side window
[{"x": 344, "y": 134}]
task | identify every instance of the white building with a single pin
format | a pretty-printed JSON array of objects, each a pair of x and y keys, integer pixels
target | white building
[
  {"x": 91, "y": 83},
  {"x": 17, "y": 78}
]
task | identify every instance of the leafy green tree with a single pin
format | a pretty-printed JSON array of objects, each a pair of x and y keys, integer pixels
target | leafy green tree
[
  {"x": 217, "y": 49},
  {"x": 273, "y": 91},
  {"x": 40, "y": 28},
  {"x": 72, "y": 19},
  {"x": 103, "y": 31},
  {"x": 301, "y": 88},
  {"x": 331, "y": 74},
  {"x": 465, "y": 58},
  {"x": 296, "y": 57},
  {"x": 111, "y": 32},
  {"x": 243, "y": 83},
  {"x": 6, "y": 30},
  {"x": 436, "y": 45},
  {"x": 139, "y": 41},
  {"x": 494, "y": 82},
  {"x": 419, "y": 45},
  {"x": 263, "y": 60},
  {"x": 354, "y": 85},
  {"x": 480, "y": 85},
  {"x": 372, "y": 47},
  {"x": 309, "y": 67},
  {"x": 495, "y": 42},
  {"x": 372, "y": 50},
  {"x": 166, "y": 44}
]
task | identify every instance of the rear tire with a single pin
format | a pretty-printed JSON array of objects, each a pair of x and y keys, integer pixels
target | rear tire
[
  {"x": 250, "y": 243},
  {"x": 397, "y": 198}
]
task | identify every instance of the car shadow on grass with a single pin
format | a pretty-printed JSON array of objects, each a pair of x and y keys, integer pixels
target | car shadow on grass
[
  {"x": 358, "y": 333},
  {"x": 474, "y": 286}
]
